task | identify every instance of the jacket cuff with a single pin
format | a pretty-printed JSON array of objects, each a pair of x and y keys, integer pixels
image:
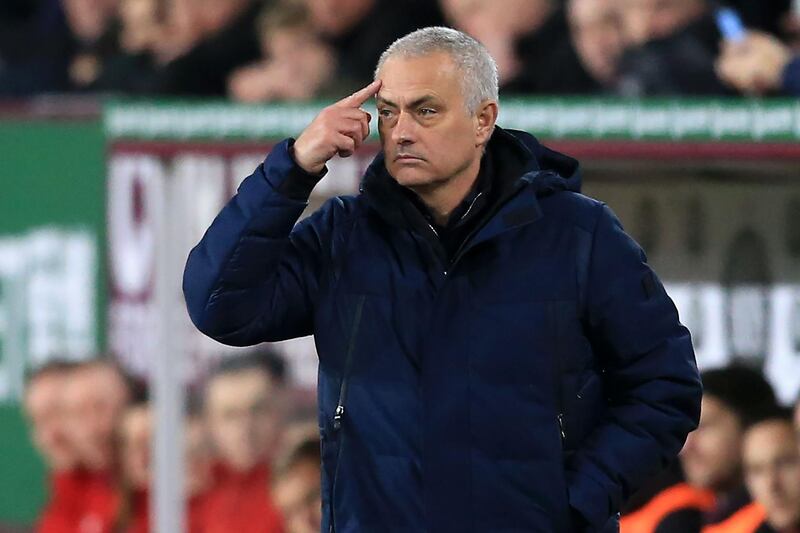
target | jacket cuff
[
  {"x": 791, "y": 77},
  {"x": 588, "y": 500},
  {"x": 287, "y": 177}
]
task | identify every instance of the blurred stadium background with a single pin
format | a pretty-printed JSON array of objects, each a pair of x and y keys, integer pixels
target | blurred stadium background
[{"x": 125, "y": 125}]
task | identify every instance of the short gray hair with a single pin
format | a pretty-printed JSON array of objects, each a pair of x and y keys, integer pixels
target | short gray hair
[{"x": 478, "y": 68}]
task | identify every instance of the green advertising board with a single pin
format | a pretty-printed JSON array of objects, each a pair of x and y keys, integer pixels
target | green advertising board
[{"x": 51, "y": 294}]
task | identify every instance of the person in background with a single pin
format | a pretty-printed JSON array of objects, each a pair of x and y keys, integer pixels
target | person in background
[
  {"x": 713, "y": 489},
  {"x": 135, "y": 435},
  {"x": 43, "y": 404},
  {"x": 733, "y": 398},
  {"x": 530, "y": 41},
  {"x": 95, "y": 398},
  {"x": 771, "y": 458},
  {"x": 199, "y": 463},
  {"x": 213, "y": 38},
  {"x": 296, "y": 488},
  {"x": 92, "y": 24},
  {"x": 596, "y": 35},
  {"x": 797, "y": 416},
  {"x": 760, "y": 65},
  {"x": 297, "y": 64},
  {"x": 359, "y": 30},
  {"x": 243, "y": 413},
  {"x": 671, "y": 46}
]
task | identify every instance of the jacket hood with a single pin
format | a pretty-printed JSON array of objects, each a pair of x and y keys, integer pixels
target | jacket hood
[{"x": 518, "y": 156}]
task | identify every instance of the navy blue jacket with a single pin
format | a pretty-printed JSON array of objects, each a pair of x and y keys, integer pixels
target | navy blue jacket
[{"x": 537, "y": 377}]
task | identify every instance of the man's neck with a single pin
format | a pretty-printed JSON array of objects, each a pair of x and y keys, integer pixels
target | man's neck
[{"x": 443, "y": 198}]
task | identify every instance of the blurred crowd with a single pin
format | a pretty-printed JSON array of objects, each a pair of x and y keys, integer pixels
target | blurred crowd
[
  {"x": 252, "y": 455},
  {"x": 288, "y": 50},
  {"x": 251, "y": 448}
]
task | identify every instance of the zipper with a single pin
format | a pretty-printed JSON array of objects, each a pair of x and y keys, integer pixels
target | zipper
[
  {"x": 559, "y": 370},
  {"x": 339, "y": 413}
]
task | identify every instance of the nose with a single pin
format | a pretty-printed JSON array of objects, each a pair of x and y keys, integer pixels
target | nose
[{"x": 403, "y": 131}]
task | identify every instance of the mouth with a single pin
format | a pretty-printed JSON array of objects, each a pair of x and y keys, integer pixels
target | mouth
[{"x": 407, "y": 158}]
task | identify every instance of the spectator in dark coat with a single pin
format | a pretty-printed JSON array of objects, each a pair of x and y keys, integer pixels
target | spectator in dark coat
[{"x": 495, "y": 352}]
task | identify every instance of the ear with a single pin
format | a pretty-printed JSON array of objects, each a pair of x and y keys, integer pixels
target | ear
[{"x": 485, "y": 120}]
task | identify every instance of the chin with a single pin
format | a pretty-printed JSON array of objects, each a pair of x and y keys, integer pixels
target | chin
[{"x": 412, "y": 177}]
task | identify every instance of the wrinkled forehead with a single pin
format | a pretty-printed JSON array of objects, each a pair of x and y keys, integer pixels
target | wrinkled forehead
[{"x": 407, "y": 78}]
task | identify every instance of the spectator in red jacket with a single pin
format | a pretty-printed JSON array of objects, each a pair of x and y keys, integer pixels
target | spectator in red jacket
[
  {"x": 135, "y": 435},
  {"x": 94, "y": 399},
  {"x": 297, "y": 485},
  {"x": 241, "y": 406},
  {"x": 44, "y": 408}
]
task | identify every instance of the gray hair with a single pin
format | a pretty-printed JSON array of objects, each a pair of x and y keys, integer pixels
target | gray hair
[{"x": 478, "y": 68}]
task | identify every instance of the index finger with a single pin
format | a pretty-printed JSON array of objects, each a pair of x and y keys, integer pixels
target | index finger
[{"x": 362, "y": 95}]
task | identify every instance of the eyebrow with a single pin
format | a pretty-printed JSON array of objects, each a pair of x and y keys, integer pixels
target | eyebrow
[{"x": 414, "y": 103}]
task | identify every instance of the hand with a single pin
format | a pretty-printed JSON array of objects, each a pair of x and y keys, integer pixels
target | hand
[
  {"x": 755, "y": 65},
  {"x": 338, "y": 129}
]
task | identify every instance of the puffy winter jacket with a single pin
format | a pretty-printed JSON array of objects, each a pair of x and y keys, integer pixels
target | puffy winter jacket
[{"x": 528, "y": 384}]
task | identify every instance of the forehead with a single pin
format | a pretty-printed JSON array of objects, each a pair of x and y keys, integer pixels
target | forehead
[
  {"x": 236, "y": 388},
  {"x": 406, "y": 78},
  {"x": 769, "y": 439}
]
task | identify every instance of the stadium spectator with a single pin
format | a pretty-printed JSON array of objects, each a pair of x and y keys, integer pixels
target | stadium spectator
[
  {"x": 44, "y": 408},
  {"x": 242, "y": 410},
  {"x": 797, "y": 416},
  {"x": 130, "y": 68},
  {"x": 733, "y": 397},
  {"x": 359, "y": 30},
  {"x": 92, "y": 24},
  {"x": 527, "y": 39},
  {"x": 217, "y": 37},
  {"x": 298, "y": 65},
  {"x": 760, "y": 64},
  {"x": 94, "y": 399},
  {"x": 671, "y": 48},
  {"x": 135, "y": 434},
  {"x": 597, "y": 37},
  {"x": 771, "y": 459},
  {"x": 199, "y": 463},
  {"x": 297, "y": 486}
]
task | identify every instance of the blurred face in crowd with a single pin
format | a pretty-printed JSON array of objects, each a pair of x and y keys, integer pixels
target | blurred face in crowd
[
  {"x": 136, "y": 431},
  {"x": 140, "y": 26},
  {"x": 428, "y": 136},
  {"x": 596, "y": 32},
  {"x": 297, "y": 495},
  {"x": 772, "y": 471},
  {"x": 198, "y": 457},
  {"x": 645, "y": 20},
  {"x": 711, "y": 456},
  {"x": 95, "y": 397},
  {"x": 481, "y": 18},
  {"x": 336, "y": 17},
  {"x": 44, "y": 406},
  {"x": 242, "y": 417},
  {"x": 88, "y": 19}
]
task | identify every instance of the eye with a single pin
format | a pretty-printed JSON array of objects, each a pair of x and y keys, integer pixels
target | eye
[
  {"x": 427, "y": 111},
  {"x": 385, "y": 113}
]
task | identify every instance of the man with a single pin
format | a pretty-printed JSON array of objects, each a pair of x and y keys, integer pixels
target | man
[
  {"x": 671, "y": 48},
  {"x": 771, "y": 458},
  {"x": 597, "y": 37},
  {"x": 242, "y": 412},
  {"x": 44, "y": 408},
  {"x": 472, "y": 312},
  {"x": 733, "y": 398},
  {"x": 297, "y": 486},
  {"x": 94, "y": 400}
]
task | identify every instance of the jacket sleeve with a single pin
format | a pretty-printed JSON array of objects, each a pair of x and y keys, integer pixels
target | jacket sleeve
[
  {"x": 254, "y": 275},
  {"x": 650, "y": 375}
]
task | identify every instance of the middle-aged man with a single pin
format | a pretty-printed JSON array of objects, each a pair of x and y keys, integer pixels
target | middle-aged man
[
  {"x": 241, "y": 410},
  {"x": 495, "y": 354},
  {"x": 771, "y": 458}
]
